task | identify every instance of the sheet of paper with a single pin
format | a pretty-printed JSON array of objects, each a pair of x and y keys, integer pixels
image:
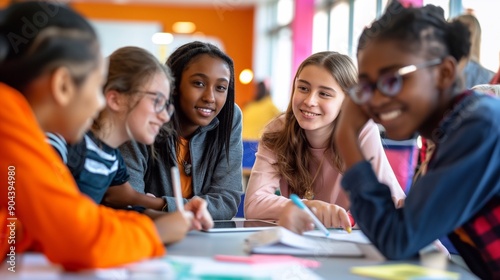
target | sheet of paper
[
  {"x": 355, "y": 236},
  {"x": 404, "y": 272},
  {"x": 260, "y": 258},
  {"x": 339, "y": 250},
  {"x": 282, "y": 241},
  {"x": 207, "y": 267},
  {"x": 37, "y": 266},
  {"x": 31, "y": 266}
]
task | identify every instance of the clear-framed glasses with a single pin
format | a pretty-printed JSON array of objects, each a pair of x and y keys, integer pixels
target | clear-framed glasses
[
  {"x": 161, "y": 103},
  {"x": 389, "y": 84}
]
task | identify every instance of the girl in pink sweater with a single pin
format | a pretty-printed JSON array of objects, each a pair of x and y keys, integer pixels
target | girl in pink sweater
[{"x": 296, "y": 153}]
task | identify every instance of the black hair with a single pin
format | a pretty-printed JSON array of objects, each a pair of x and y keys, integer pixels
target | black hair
[
  {"x": 37, "y": 37},
  {"x": 415, "y": 28},
  {"x": 219, "y": 138}
]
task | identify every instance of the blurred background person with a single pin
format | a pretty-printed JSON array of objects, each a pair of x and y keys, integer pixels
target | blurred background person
[
  {"x": 496, "y": 79},
  {"x": 474, "y": 73},
  {"x": 258, "y": 112}
]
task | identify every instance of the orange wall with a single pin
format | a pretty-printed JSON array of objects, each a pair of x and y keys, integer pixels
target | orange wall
[{"x": 232, "y": 25}]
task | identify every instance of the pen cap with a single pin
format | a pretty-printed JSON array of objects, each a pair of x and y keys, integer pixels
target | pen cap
[{"x": 297, "y": 201}]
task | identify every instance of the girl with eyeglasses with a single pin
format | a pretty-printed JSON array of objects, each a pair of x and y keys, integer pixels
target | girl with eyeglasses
[
  {"x": 137, "y": 94},
  {"x": 409, "y": 82},
  {"x": 296, "y": 154},
  {"x": 52, "y": 80},
  {"x": 203, "y": 139}
]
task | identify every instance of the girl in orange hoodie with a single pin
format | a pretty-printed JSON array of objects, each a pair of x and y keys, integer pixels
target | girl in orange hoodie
[{"x": 51, "y": 75}]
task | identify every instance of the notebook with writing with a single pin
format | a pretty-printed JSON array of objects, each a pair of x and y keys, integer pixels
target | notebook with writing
[{"x": 282, "y": 241}]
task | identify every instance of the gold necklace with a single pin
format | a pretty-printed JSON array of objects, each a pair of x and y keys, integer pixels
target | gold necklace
[{"x": 309, "y": 194}]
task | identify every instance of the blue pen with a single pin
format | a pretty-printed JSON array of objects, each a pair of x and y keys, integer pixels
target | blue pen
[{"x": 296, "y": 200}]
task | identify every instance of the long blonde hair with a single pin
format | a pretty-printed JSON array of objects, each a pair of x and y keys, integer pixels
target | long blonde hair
[{"x": 290, "y": 143}]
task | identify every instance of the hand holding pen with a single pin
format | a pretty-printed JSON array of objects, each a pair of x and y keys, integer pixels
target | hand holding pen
[
  {"x": 202, "y": 218},
  {"x": 327, "y": 215},
  {"x": 298, "y": 202},
  {"x": 197, "y": 206}
]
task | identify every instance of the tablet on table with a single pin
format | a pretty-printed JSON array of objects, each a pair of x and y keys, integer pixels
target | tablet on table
[{"x": 241, "y": 225}]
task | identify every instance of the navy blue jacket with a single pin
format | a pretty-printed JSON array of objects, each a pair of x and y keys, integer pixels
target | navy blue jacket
[{"x": 459, "y": 196}]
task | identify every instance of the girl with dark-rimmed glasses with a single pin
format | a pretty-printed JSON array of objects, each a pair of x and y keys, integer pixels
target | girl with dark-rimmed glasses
[{"x": 409, "y": 81}]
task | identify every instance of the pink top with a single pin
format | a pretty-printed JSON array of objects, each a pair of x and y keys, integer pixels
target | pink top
[{"x": 261, "y": 201}]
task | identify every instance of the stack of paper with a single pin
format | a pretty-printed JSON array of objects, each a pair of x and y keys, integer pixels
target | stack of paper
[
  {"x": 282, "y": 241},
  {"x": 355, "y": 236},
  {"x": 188, "y": 267}
]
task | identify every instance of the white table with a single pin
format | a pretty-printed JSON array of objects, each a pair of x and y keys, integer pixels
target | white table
[
  {"x": 209, "y": 244},
  {"x": 203, "y": 244}
]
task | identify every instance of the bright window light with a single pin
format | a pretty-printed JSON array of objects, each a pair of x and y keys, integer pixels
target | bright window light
[
  {"x": 162, "y": 38},
  {"x": 285, "y": 12}
]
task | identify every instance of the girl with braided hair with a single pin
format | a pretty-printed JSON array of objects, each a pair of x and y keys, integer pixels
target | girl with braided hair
[{"x": 409, "y": 82}]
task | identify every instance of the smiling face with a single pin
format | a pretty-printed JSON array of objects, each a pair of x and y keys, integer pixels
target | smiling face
[
  {"x": 316, "y": 100},
  {"x": 202, "y": 92},
  {"x": 143, "y": 121},
  {"x": 416, "y": 106}
]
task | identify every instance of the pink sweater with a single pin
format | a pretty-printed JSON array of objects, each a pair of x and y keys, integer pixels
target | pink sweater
[{"x": 262, "y": 203}]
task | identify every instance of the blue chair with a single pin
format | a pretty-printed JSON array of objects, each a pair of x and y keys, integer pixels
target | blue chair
[
  {"x": 249, "y": 150},
  {"x": 241, "y": 212}
]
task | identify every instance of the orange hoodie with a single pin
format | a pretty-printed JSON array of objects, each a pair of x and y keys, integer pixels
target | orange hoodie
[{"x": 41, "y": 207}]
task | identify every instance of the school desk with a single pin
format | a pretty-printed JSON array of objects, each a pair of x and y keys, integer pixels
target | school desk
[
  {"x": 202, "y": 244},
  {"x": 209, "y": 244}
]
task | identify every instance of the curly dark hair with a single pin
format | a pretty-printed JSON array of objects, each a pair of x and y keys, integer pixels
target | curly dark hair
[{"x": 420, "y": 29}]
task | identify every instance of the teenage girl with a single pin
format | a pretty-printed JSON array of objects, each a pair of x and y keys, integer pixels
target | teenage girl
[
  {"x": 408, "y": 82},
  {"x": 51, "y": 78},
  {"x": 297, "y": 153},
  {"x": 203, "y": 139}
]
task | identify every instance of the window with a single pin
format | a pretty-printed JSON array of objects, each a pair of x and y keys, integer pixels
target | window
[
  {"x": 486, "y": 12},
  {"x": 281, "y": 67},
  {"x": 339, "y": 28},
  {"x": 320, "y": 32}
]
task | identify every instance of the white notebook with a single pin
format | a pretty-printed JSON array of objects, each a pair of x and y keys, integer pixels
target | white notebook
[
  {"x": 282, "y": 241},
  {"x": 355, "y": 236}
]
